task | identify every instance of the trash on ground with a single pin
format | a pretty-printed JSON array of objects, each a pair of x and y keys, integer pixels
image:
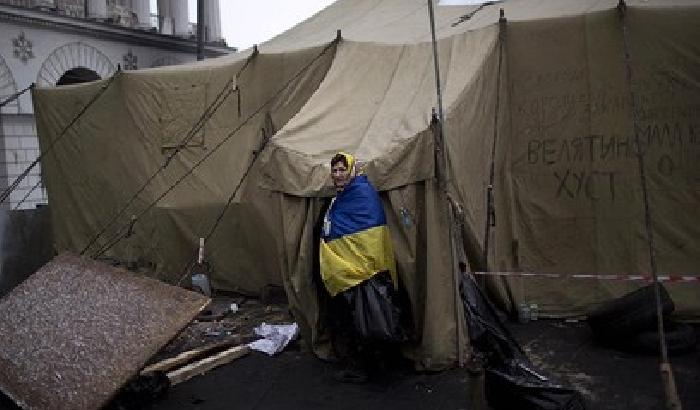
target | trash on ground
[
  {"x": 233, "y": 329},
  {"x": 275, "y": 337},
  {"x": 216, "y": 310}
]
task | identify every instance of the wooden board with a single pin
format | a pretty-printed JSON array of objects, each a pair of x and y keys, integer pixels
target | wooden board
[
  {"x": 74, "y": 332},
  {"x": 202, "y": 366},
  {"x": 184, "y": 357}
]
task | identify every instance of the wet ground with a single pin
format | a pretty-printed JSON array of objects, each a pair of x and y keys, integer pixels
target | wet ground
[
  {"x": 608, "y": 379},
  {"x": 296, "y": 380}
]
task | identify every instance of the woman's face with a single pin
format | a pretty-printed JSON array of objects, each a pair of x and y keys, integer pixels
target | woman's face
[{"x": 340, "y": 175}]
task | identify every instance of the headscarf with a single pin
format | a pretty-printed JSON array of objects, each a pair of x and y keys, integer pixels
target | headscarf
[{"x": 351, "y": 164}]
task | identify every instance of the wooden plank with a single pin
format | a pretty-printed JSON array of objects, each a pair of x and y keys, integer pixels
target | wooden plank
[
  {"x": 185, "y": 357},
  {"x": 74, "y": 332},
  {"x": 202, "y": 366}
]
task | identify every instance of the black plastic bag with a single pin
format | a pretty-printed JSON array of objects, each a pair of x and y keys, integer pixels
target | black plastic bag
[
  {"x": 486, "y": 330},
  {"x": 510, "y": 387},
  {"x": 375, "y": 310},
  {"x": 512, "y": 382}
]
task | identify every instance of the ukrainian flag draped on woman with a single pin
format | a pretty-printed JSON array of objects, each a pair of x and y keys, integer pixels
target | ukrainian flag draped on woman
[{"x": 355, "y": 242}]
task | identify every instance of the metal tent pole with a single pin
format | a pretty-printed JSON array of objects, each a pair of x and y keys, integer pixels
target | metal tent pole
[
  {"x": 442, "y": 184},
  {"x": 672, "y": 399},
  {"x": 436, "y": 62},
  {"x": 490, "y": 206}
]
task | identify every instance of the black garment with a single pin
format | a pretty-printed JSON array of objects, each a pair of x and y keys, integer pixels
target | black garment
[{"x": 358, "y": 354}]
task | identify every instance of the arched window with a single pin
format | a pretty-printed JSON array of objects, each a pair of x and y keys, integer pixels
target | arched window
[
  {"x": 78, "y": 75},
  {"x": 73, "y": 56}
]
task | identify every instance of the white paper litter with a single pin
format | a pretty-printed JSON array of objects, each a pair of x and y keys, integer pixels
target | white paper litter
[{"x": 275, "y": 337}]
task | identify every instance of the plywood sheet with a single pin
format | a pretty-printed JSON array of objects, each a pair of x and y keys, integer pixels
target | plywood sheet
[{"x": 74, "y": 332}]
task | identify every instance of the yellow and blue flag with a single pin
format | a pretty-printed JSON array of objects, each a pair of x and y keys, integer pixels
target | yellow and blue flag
[{"x": 355, "y": 242}]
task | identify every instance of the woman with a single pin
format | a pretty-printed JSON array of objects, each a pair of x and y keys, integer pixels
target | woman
[{"x": 358, "y": 269}]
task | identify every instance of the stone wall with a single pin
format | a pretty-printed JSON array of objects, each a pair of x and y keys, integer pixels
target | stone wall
[{"x": 20, "y": 147}]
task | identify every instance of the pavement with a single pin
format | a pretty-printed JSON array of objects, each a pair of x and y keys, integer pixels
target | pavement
[
  {"x": 608, "y": 379},
  {"x": 297, "y": 380}
]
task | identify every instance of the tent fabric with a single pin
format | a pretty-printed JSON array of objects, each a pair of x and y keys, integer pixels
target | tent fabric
[
  {"x": 573, "y": 177},
  {"x": 406, "y": 22},
  {"x": 382, "y": 123},
  {"x": 547, "y": 89},
  {"x": 126, "y": 147}
]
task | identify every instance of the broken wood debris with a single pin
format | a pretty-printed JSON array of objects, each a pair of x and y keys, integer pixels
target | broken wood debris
[
  {"x": 185, "y": 357},
  {"x": 202, "y": 366},
  {"x": 74, "y": 332}
]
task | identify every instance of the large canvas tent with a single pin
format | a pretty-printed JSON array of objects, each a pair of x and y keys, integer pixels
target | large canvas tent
[{"x": 545, "y": 95}]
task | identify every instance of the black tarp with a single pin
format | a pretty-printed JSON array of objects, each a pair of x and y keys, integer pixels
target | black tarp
[{"x": 512, "y": 381}]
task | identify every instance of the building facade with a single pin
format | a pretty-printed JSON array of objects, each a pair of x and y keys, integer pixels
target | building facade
[{"x": 51, "y": 43}]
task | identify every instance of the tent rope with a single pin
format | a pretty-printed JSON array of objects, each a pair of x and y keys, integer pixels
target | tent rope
[
  {"x": 16, "y": 95},
  {"x": 206, "y": 115},
  {"x": 16, "y": 207},
  {"x": 256, "y": 154},
  {"x": 120, "y": 235},
  {"x": 6, "y": 193},
  {"x": 225, "y": 92},
  {"x": 672, "y": 399},
  {"x": 471, "y": 14}
]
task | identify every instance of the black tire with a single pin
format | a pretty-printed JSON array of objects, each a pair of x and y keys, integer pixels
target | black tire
[
  {"x": 680, "y": 338},
  {"x": 626, "y": 316}
]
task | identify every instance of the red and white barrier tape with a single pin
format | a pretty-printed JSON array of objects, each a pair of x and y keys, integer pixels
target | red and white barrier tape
[{"x": 623, "y": 276}]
